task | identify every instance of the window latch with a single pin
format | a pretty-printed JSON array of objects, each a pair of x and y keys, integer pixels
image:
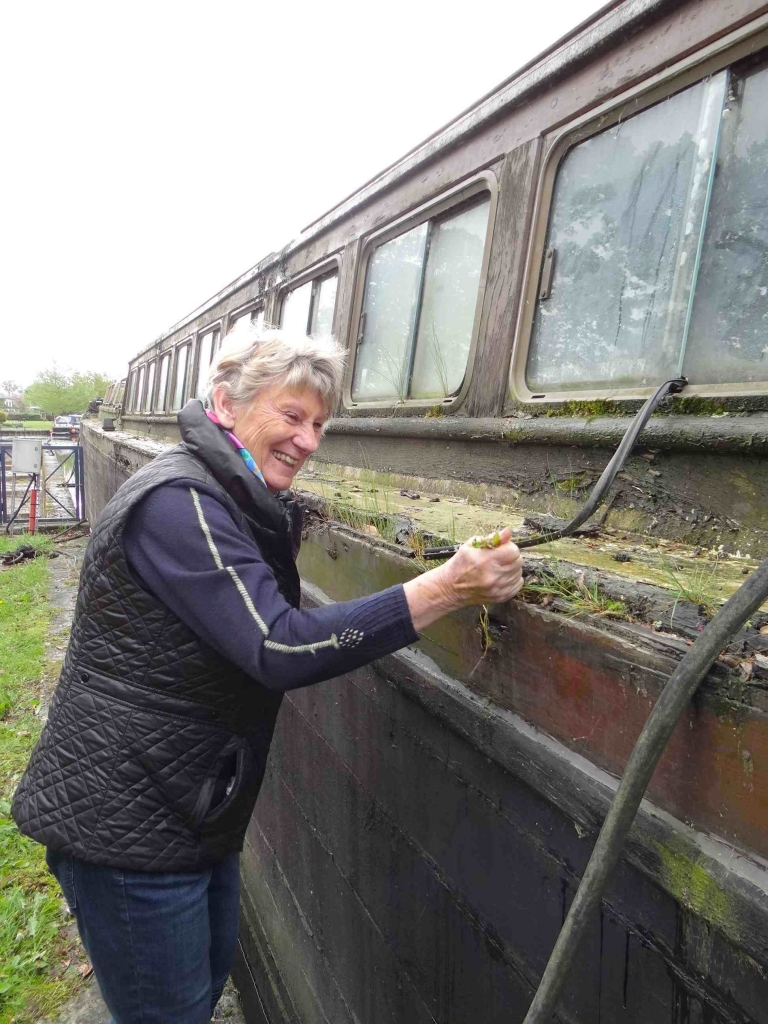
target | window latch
[
  {"x": 361, "y": 329},
  {"x": 545, "y": 287}
]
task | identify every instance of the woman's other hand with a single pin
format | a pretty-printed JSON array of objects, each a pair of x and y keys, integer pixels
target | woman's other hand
[{"x": 474, "y": 575}]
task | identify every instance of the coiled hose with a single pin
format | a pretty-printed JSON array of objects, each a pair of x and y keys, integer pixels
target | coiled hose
[{"x": 674, "y": 699}]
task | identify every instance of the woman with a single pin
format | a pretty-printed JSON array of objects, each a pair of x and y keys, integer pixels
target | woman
[{"x": 187, "y": 632}]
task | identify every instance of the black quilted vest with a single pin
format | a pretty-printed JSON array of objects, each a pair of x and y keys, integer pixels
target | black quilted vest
[{"x": 148, "y": 723}]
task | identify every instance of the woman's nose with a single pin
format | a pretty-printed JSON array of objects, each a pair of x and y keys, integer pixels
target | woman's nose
[{"x": 307, "y": 439}]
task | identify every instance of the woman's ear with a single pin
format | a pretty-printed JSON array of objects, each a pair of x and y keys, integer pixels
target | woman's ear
[{"x": 224, "y": 407}]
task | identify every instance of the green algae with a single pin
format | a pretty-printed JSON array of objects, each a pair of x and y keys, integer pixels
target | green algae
[
  {"x": 588, "y": 410},
  {"x": 696, "y": 405},
  {"x": 435, "y": 412},
  {"x": 695, "y": 888}
]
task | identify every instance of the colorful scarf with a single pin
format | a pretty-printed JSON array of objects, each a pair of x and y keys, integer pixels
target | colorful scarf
[{"x": 239, "y": 446}]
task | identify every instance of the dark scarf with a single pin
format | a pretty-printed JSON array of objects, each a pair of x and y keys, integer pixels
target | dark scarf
[{"x": 279, "y": 513}]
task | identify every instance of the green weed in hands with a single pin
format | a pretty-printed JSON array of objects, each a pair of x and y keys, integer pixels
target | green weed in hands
[{"x": 490, "y": 540}]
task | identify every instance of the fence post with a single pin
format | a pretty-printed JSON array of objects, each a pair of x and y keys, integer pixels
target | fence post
[{"x": 3, "y": 505}]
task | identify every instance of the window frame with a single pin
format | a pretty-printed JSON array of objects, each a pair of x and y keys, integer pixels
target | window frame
[
  {"x": 187, "y": 342},
  {"x": 486, "y": 181},
  {"x": 745, "y": 42},
  {"x": 320, "y": 270}
]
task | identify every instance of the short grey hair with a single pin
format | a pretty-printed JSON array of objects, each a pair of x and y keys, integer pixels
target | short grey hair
[{"x": 253, "y": 358}]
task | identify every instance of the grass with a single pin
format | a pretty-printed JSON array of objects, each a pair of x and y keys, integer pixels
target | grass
[
  {"x": 31, "y": 944},
  {"x": 701, "y": 586},
  {"x": 28, "y": 424},
  {"x": 584, "y": 598}
]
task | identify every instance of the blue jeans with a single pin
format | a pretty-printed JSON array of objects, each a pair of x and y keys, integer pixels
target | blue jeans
[{"x": 161, "y": 945}]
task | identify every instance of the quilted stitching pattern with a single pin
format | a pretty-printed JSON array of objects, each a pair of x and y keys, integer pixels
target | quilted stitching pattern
[{"x": 118, "y": 771}]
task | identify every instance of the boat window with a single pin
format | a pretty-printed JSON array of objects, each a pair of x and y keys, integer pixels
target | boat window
[
  {"x": 419, "y": 308},
  {"x": 131, "y": 391},
  {"x": 323, "y": 304},
  {"x": 162, "y": 388},
  {"x": 254, "y": 316},
  {"x": 209, "y": 343},
  {"x": 139, "y": 388},
  {"x": 147, "y": 407},
  {"x": 627, "y": 214},
  {"x": 728, "y": 337},
  {"x": 182, "y": 365},
  {"x": 309, "y": 308},
  {"x": 655, "y": 259}
]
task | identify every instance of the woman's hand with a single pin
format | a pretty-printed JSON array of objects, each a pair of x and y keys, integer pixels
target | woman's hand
[{"x": 474, "y": 575}]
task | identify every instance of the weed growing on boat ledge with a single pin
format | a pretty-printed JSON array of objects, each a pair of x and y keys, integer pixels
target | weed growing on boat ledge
[{"x": 581, "y": 598}]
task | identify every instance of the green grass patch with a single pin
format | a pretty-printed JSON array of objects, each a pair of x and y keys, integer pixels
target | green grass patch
[
  {"x": 583, "y": 598},
  {"x": 31, "y": 919},
  {"x": 28, "y": 425}
]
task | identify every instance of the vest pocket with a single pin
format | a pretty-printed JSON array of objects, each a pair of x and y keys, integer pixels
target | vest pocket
[
  {"x": 220, "y": 789},
  {"x": 168, "y": 765},
  {"x": 218, "y": 815}
]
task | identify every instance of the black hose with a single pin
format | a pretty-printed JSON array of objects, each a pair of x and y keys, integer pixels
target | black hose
[
  {"x": 674, "y": 699},
  {"x": 599, "y": 491}
]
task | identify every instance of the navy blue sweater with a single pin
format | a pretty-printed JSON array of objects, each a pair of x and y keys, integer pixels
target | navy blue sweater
[{"x": 185, "y": 548}]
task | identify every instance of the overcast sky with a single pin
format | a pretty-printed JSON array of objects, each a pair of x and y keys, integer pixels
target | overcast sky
[{"x": 155, "y": 151}]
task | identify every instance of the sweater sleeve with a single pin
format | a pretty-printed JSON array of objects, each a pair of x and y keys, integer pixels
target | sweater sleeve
[{"x": 183, "y": 545}]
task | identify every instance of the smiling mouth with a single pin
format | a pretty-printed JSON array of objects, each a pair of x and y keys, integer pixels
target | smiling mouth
[{"x": 282, "y": 457}]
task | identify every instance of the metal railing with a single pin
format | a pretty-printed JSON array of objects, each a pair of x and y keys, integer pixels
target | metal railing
[{"x": 61, "y": 486}]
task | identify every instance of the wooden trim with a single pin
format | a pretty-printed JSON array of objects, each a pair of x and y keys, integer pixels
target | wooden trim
[{"x": 504, "y": 284}]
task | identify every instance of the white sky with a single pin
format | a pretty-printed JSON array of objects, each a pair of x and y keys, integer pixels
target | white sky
[{"x": 155, "y": 151}]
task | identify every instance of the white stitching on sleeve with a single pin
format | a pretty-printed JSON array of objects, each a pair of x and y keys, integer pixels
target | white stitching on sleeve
[{"x": 346, "y": 638}]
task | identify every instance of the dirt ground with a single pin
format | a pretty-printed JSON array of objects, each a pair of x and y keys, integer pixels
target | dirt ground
[{"x": 87, "y": 1007}]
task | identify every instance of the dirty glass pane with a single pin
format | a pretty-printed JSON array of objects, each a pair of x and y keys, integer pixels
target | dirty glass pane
[
  {"x": 391, "y": 301},
  {"x": 208, "y": 345},
  {"x": 728, "y": 337},
  {"x": 254, "y": 317},
  {"x": 625, "y": 226},
  {"x": 294, "y": 314},
  {"x": 131, "y": 391},
  {"x": 150, "y": 387},
  {"x": 448, "y": 304},
  {"x": 324, "y": 304},
  {"x": 182, "y": 361},
  {"x": 163, "y": 385},
  {"x": 139, "y": 388}
]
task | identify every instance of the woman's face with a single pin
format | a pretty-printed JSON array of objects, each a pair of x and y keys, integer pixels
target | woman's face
[{"x": 280, "y": 429}]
